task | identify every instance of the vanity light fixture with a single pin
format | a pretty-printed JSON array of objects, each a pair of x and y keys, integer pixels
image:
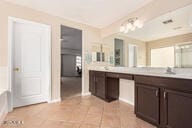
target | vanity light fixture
[{"x": 130, "y": 25}]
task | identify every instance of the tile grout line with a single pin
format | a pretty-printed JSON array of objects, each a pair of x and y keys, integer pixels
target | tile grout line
[{"x": 101, "y": 118}]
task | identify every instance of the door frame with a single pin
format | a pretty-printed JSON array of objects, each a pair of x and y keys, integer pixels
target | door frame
[{"x": 11, "y": 21}]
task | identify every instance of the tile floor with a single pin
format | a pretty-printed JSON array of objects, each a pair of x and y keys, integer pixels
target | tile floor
[{"x": 78, "y": 112}]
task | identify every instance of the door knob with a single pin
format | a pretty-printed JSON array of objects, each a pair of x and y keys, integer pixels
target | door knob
[{"x": 16, "y": 69}]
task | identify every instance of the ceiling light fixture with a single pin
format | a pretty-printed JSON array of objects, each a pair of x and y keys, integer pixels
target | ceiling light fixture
[{"x": 130, "y": 25}]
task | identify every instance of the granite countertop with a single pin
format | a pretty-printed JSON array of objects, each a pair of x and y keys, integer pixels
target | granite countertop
[{"x": 141, "y": 71}]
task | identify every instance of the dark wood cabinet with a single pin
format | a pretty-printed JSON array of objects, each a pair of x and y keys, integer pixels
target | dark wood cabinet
[
  {"x": 178, "y": 109},
  {"x": 147, "y": 103},
  {"x": 97, "y": 84},
  {"x": 112, "y": 88},
  {"x": 104, "y": 85},
  {"x": 100, "y": 86},
  {"x": 164, "y": 102},
  {"x": 91, "y": 82}
]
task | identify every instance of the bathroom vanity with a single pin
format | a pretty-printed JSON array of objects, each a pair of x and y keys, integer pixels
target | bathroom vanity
[
  {"x": 162, "y": 100},
  {"x": 160, "y": 97}
]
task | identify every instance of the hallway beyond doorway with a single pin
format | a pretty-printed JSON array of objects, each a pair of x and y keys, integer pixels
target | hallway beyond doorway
[
  {"x": 70, "y": 87},
  {"x": 71, "y": 62}
]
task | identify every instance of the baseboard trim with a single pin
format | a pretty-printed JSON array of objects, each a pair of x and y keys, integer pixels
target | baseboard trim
[
  {"x": 126, "y": 101},
  {"x": 54, "y": 101},
  {"x": 86, "y": 94},
  {"x": 3, "y": 113}
]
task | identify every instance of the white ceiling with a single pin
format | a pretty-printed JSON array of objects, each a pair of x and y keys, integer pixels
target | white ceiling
[
  {"x": 98, "y": 13},
  {"x": 155, "y": 29}
]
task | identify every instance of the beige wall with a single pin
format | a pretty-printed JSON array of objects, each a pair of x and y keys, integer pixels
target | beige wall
[
  {"x": 127, "y": 91},
  {"x": 90, "y": 35},
  {"x": 147, "y": 13},
  {"x": 166, "y": 42}
]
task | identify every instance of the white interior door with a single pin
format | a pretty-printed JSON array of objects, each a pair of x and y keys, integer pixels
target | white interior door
[{"x": 30, "y": 64}]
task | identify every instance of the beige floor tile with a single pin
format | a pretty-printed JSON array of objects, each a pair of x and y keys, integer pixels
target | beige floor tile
[
  {"x": 76, "y": 117},
  {"x": 51, "y": 124},
  {"x": 81, "y": 109},
  {"x": 88, "y": 126},
  {"x": 84, "y": 112},
  {"x": 95, "y": 110},
  {"x": 72, "y": 101},
  {"x": 61, "y": 115},
  {"x": 111, "y": 110},
  {"x": 92, "y": 119},
  {"x": 36, "y": 122},
  {"x": 69, "y": 125},
  {"x": 86, "y": 102},
  {"x": 110, "y": 120}
]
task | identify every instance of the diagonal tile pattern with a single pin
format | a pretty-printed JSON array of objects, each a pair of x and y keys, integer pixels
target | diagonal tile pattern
[{"x": 77, "y": 112}]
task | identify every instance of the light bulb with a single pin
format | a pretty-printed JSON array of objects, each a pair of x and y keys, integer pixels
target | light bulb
[
  {"x": 133, "y": 28},
  {"x": 126, "y": 31},
  {"x": 136, "y": 23},
  {"x": 129, "y": 26},
  {"x": 122, "y": 29},
  {"x": 140, "y": 25}
]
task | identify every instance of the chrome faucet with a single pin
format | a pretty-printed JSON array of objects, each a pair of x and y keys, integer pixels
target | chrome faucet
[
  {"x": 106, "y": 67},
  {"x": 170, "y": 71}
]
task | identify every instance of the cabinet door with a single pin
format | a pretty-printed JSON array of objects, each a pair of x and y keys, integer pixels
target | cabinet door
[
  {"x": 147, "y": 103},
  {"x": 112, "y": 88},
  {"x": 100, "y": 86},
  {"x": 178, "y": 109},
  {"x": 92, "y": 82}
]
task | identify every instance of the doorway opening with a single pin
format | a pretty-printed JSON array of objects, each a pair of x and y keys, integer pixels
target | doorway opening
[{"x": 71, "y": 62}]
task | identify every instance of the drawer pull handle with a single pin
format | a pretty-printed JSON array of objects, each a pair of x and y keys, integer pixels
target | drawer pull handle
[
  {"x": 157, "y": 93},
  {"x": 165, "y": 95}
]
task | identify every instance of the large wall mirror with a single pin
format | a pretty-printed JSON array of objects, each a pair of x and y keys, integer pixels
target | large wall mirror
[
  {"x": 100, "y": 52},
  {"x": 165, "y": 41}
]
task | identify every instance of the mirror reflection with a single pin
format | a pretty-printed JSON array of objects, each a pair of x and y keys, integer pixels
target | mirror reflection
[
  {"x": 165, "y": 41},
  {"x": 100, "y": 53}
]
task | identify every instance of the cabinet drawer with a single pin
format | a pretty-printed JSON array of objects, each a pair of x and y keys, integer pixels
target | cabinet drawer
[
  {"x": 170, "y": 83},
  {"x": 100, "y": 74},
  {"x": 112, "y": 75},
  {"x": 149, "y": 80},
  {"x": 126, "y": 76},
  {"x": 178, "y": 84}
]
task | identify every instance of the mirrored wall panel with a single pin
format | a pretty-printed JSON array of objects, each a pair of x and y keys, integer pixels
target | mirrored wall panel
[{"x": 165, "y": 41}]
